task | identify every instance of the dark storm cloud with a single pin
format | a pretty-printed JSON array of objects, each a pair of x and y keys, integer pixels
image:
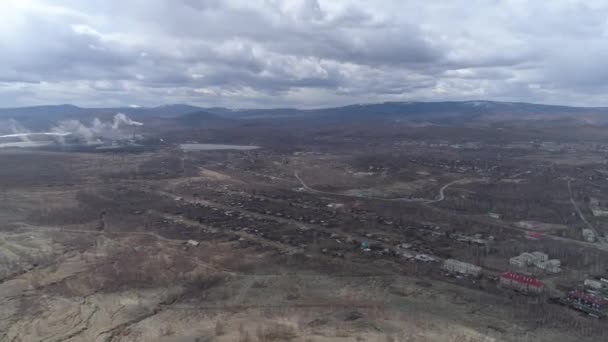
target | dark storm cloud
[{"x": 301, "y": 52}]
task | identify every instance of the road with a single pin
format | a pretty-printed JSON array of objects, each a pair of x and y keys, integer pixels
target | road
[
  {"x": 440, "y": 195},
  {"x": 230, "y": 167},
  {"x": 600, "y": 240},
  {"x": 477, "y": 218},
  {"x": 278, "y": 245},
  {"x": 520, "y": 174},
  {"x": 251, "y": 237}
]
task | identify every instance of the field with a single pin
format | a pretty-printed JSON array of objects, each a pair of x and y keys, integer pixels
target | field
[{"x": 300, "y": 240}]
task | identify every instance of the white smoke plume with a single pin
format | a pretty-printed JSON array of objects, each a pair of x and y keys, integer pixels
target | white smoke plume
[
  {"x": 19, "y": 136},
  {"x": 34, "y": 134},
  {"x": 13, "y": 129},
  {"x": 121, "y": 119},
  {"x": 98, "y": 130}
]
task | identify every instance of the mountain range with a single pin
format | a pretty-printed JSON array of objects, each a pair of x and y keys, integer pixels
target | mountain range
[{"x": 442, "y": 112}]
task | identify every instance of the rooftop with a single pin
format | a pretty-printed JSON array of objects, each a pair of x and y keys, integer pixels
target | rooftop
[
  {"x": 520, "y": 278},
  {"x": 588, "y": 297}
]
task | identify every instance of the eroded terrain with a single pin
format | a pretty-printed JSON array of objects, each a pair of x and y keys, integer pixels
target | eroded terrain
[{"x": 304, "y": 239}]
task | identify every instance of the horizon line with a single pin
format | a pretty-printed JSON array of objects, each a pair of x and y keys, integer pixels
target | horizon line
[{"x": 136, "y": 107}]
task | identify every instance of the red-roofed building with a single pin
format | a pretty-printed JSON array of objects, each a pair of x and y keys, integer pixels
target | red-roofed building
[
  {"x": 535, "y": 235},
  {"x": 521, "y": 282}
]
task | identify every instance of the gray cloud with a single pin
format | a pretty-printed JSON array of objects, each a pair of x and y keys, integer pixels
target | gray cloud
[{"x": 307, "y": 53}]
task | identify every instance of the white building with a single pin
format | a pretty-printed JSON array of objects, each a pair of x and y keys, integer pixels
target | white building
[
  {"x": 552, "y": 266},
  {"x": 424, "y": 258},
  {"x": 595, "y": 284},
  {"x": 528, "y": 258},
  {"x": 539, "y": 257},
  {"x": 518, "y": 261},
  {"x": 589, "y": 235},
  {"x": 193, "y": 243},
  {"x": 495, "y": 216},
  {"x": 457, "y": 266}
]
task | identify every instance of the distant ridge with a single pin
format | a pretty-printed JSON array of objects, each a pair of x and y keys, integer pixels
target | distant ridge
[
  {"x": 198, "y": 118},
  {"x": 446, "y": 111},
  {"x": 41, "y": 110}
]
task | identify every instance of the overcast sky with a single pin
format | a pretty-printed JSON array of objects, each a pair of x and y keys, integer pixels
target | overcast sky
[{"x": 303, "y": 53}]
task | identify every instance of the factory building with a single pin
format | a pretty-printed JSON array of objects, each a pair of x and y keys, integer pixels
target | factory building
[
  {"x": 537, "y": 259},
  {"x": 591, "y": 304},
  {"x": 518, "y": 261},
  {"x": 521, "y": 283},
  {"x": 528, "y": 259},
  {"x": 456, "y": 266},
  {"x": 551, "y": 266}
]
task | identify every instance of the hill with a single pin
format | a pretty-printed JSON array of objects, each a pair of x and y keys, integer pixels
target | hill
[{"x": 447, "y": 112}]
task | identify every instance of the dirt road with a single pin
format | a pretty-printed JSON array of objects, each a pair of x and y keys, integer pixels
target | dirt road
[
  {"x": 600, "y": 240},
  {"x": 440, "y": 195}
]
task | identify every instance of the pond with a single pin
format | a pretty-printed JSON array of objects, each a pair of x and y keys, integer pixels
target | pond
[{"x": 213, "y": 147}]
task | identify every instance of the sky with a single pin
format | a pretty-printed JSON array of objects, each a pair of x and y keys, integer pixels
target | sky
[{"x": 301, "y": 53}]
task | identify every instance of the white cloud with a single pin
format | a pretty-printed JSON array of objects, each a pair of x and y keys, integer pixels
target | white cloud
[{"x": 301, "y": 52}]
